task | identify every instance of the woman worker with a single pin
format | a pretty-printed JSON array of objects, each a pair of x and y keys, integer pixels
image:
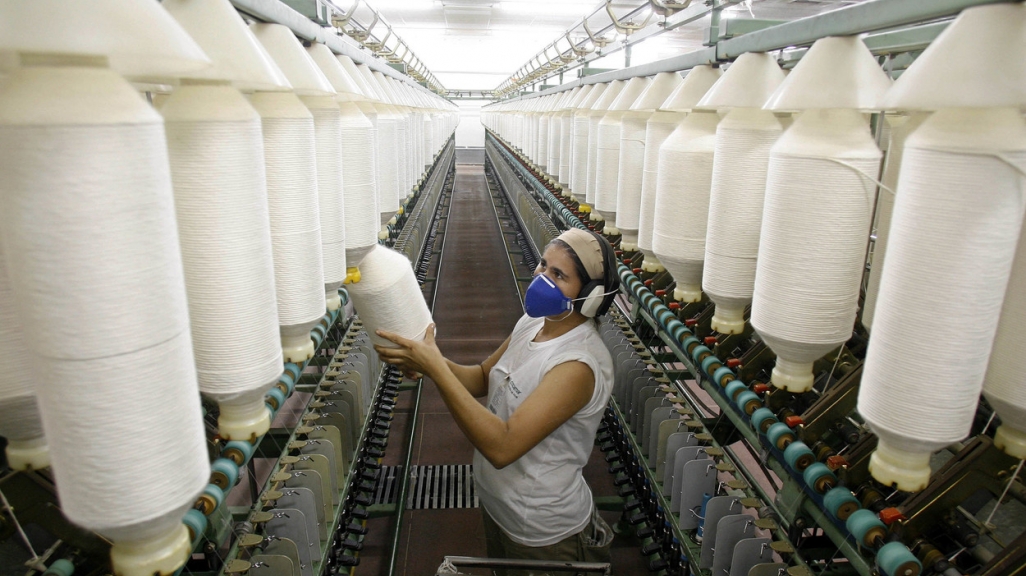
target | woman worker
[{"x": 547, "y": 385}]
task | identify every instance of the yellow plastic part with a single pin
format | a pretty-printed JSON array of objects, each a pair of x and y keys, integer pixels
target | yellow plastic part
[
  {"x": 584, "y": 208},
  {"x": 352, "y": 275}
]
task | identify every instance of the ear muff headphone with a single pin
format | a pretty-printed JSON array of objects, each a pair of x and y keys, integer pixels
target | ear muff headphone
[{"x": 596, "y": 296}]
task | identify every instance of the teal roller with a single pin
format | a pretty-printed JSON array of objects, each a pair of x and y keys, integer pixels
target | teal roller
[
  {"x": 894, "y": 559},
  {"x": 61, "y": 567},
  {"x": 734, "y": 388},
  {"x": 212, "y": 497},
  {"x": 723, "y": 376},
  {"x": 866, "y": 527},
  {"x": 288, "y": 382},
  {"x": 317, "y": 334},
  {"x": 665, "y": 317},
  {"x": 762, "y": 419},
  {"x": 798, "y": 456},
  {"x": 840, "y": 502},
  {"x": 748, "y": 402},
  {"x": 196, "y": 522},
  {"x": 819, "y": 477},
  {"x": 238, "y": 451},
  {"x": 294, "y": 369},
  {"x": 690, "y": 342},
  {"x": 711, "y": 364},
  {"x": 344, "y": 295},
  {"x": 224, "y": 473},
  {"x": 780, "y": 435},
  {"x": 700, "y": 352},
  {"x": 275, "y": 398}
]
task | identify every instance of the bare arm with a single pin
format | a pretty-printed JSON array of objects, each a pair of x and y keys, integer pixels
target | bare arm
[{"x": 563, "y": 391}]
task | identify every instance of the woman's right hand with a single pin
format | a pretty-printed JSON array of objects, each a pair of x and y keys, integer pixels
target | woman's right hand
[{"x": 414, "y": 358}]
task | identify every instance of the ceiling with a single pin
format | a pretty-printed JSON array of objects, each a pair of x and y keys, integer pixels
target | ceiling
[{"x": 476, "y": 44}]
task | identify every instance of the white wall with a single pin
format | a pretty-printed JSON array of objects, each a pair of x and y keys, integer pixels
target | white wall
[{"x": 470, "y": 132}]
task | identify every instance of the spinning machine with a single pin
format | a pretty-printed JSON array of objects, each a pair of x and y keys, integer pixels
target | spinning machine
[
  {"x": 188, "y": 387},
  {"x": 820, "y": 373}
]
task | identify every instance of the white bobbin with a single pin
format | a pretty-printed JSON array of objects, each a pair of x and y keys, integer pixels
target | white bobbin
[
  {"x": 932, "y": 276},
  {"x": 743, "y": 142},
  {"x": 64, "y": 119},
  {"x": 388, "y": 297}
]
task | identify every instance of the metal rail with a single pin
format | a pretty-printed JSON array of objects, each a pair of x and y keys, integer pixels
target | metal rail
[
  {"x": 862, "y": 18},
  {"x": 305, "y": 28},
  {"x": 544, "y": 565}
]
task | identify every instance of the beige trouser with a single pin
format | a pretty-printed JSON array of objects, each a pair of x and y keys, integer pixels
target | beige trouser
[{"x": 592, "y": 544}]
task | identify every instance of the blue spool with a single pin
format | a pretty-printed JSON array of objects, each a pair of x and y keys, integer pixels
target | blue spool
[
  {"x": 865, "y": 526},
  {"x": 700, "y": 352},
  {"x": 723, "y": 376},
  {"x": 819, "y": 477},
  {"x": 748, "y": 402},
  {"x": 711, "y": 364},
  {"x": 275, "y": 399},
  {"x": 701, "y": 516},
  {"x": 734, "y": 388},
  {"x": 780, "y": 435},
  {"x": 762, "y": 419},
  {"x": 224, "y": 473},
  {"x": 840, "y": 503},
  {"x": 689, "y": 342},
  {"x": 196, "y": 522},
  {"x": 293, "y": 369},
  {"x": 61, "y": 567},
  {"x": 894, "y": 559},
  {"x": 798, "y": 456},
  {"x": 318, "y": 334},
  {"x": 243, "y": 451},
  {"x": 215, "y": 494},
  {"x": 288, "y": 382},
  {"x": 666, "y": 317}
]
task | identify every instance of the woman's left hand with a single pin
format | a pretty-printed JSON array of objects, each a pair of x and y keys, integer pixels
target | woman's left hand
[{"x": 412, "y": 356}]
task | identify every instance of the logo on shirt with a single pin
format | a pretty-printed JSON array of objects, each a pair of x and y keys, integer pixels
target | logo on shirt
[{"x": 499, "y": 401}]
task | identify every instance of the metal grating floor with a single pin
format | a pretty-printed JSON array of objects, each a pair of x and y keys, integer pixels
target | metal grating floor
[{"x": 431, "y": 487}]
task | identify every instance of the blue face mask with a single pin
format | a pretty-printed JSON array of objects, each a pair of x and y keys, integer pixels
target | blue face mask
[{"x": 544, "y": 298}]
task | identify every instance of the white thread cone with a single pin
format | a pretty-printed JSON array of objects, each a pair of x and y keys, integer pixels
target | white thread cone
[
  {"x": 741, "y": 160},
  {"x": 579, "y": 151},
  {"x": 932, "y": 277},
  {"x": 812, "y": 249},
  {"x": 237, "y": 55},
  {"x": 88, "y": 203},
  {"x": 608, "y": 150},
  {"x": 389, "y": 297},
  {"x": 595, "y": 115},
  {"x": 217, "y": 167},
  {"x": 900, "y": 129},
  {"x": 662, "y": 124},
  {"x": 138, "y": 39},
  {"x": 682, "y": 202},
  {"x": 290, "y": 161}
]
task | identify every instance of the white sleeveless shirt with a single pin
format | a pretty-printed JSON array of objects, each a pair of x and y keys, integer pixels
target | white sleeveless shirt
[{"x": 542, "y": 497}]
